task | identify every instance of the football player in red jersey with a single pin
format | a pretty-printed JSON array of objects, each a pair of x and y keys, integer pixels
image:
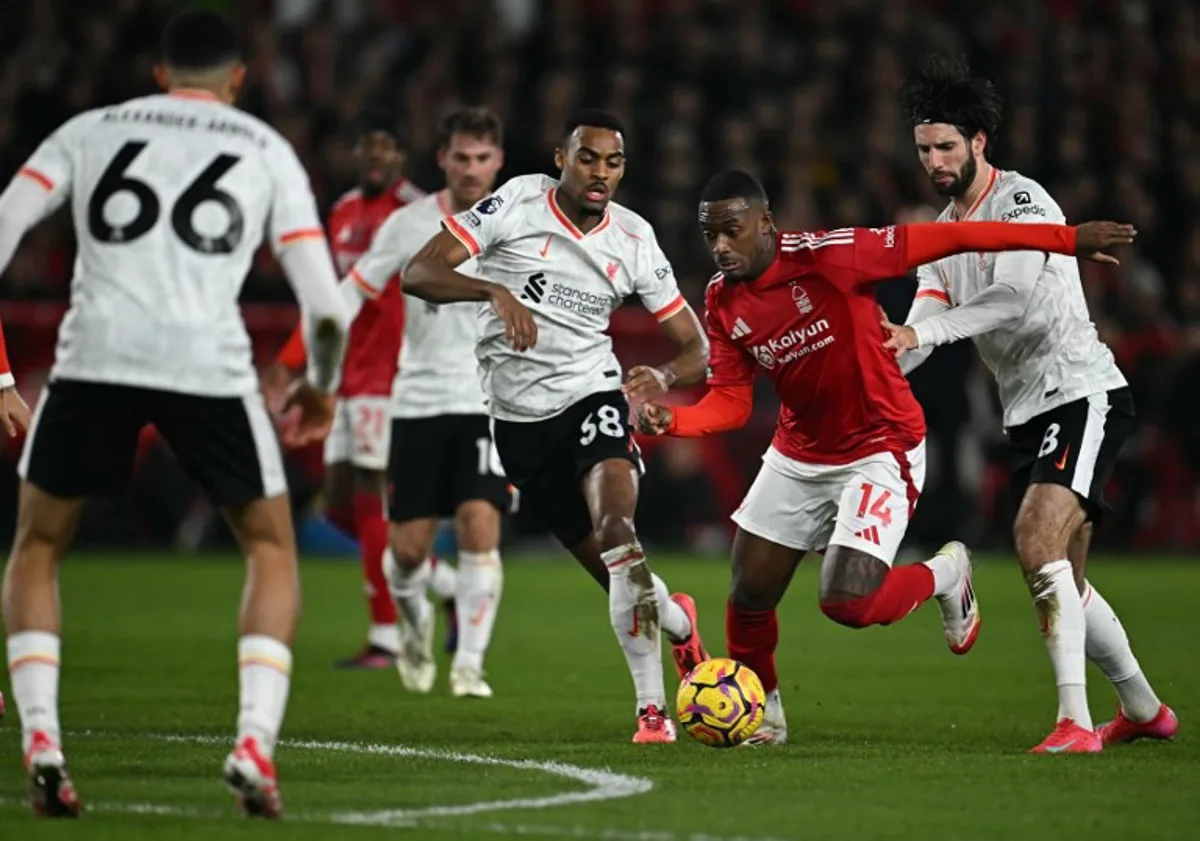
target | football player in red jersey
[
  {"x": 14, "y": 415},
  {"x": 356, "y": 450},
  {"x": 846, "y": 466}
]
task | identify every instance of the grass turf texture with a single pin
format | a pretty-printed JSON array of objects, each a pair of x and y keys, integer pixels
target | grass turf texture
[{"x": 892, "y": 736}]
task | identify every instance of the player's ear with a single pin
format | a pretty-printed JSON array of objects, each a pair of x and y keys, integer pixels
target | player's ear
[
  {"x": 237, "y": 78},
  {"x": 766, "y": 224},
  {"x": 162, "y": 76},
  {"x": 979, "y": 143},
  {"x": 560, "y": 159}
]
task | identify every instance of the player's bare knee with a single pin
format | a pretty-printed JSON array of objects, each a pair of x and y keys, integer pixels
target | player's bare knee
[
  {"x": 339, "y": 495},
  {"x": 614, "y": 530},
  {"x": 1048, "y": 518},
  {"x": 370, "y": 481},
  {"x": 411, "y": 542},
  {"x": 477, "y": 524},
  {"x": 848, "y": 575},
  {"x": 746, "y": 594}
]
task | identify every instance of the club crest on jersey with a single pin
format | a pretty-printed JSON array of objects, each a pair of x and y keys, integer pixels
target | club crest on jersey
[
  {"x": 764, "y": 356},
  {"x": 611, "y": 270},
  {"x": 801, "y": 300},
  {"x": 489, "y": 205}
]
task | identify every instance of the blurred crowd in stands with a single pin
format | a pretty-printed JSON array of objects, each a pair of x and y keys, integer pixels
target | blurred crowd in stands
[{"x": 1102, "y": 105}]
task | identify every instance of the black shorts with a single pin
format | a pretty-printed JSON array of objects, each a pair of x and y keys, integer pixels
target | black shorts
[
  {"x": 84, "y": 437},
  {"x": 1075, "y": 445},
  {"x": 546, "y": 459},
  {"x": 436, "y": 464}
]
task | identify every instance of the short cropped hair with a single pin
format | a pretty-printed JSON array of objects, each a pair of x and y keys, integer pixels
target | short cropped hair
[
  {"x": 734, "y": 184},
  {"x": 199, "y": 41}
]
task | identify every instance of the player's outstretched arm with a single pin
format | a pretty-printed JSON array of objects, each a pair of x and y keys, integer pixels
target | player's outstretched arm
[
  {"x": 929, "y": 241},
  {"x": 431, "y": 276},
  {"x": 721, "y": 409},
  {"x": 686, "y": 369}
]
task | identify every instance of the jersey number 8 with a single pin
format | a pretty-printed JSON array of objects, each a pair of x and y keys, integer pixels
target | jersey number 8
[
  {"x": 607, "y": 422},
  {"x": 202, "y": 189}
]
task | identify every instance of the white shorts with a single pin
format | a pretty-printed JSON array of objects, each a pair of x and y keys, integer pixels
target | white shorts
[
  {"x": 362, "y": 432},
  {"x": 864, "y": 505}
]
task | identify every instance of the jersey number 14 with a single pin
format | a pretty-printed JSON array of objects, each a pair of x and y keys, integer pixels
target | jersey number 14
[{"x": 203, "y": 189}]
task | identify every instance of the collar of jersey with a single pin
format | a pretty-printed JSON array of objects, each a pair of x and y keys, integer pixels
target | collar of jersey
[
  {"x": 568, "y": 224},
  {"x": 194, "y": 93},
  {"x": 991, "y": 183}
]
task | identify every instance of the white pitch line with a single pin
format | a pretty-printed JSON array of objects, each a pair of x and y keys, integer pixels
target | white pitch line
[{"x": 604, "y": 785}]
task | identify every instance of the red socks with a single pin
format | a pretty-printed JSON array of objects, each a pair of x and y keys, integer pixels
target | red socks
[
  {"x": 372, "y": 532},
  {"x": 343, "y": 519},
  {"x": 903, "y": 590},
  {"x": 751, "y": 637}
]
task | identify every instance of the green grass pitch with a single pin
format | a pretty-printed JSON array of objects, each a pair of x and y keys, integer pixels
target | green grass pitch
[{"x": 892, "y": 736}]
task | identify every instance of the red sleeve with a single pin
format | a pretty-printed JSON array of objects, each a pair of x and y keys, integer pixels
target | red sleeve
[
  {"x": 293, "y": 355},
  {"x": 728, "y": 364},
  {"x": 5, "y": 367},
  {"x": 929, "y": 241},
  {"x": 723, "y": 408},
  {"x": 872, "y": 254}
]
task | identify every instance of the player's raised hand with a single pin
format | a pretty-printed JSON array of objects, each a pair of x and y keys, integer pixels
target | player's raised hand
[
  {"x": 315, "y": 409},
  {"x": 13, "y": 411},
  {"x": 519, "y": 327},
  {"x": 1092, "y": 239},
  {"x": 901, "y": 337},
  {"x": 646, "y": 383},
  {"x": 652, "y": 419}
]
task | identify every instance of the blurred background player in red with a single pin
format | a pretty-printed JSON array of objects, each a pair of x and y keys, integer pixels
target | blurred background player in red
[
  {"x": 14, "y": 414},
  {"x": 356, "y": 451}
]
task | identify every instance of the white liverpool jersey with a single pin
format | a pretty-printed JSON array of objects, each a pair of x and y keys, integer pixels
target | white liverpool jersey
[
  {"x": 571, "y": 282},
  {"x": 1051, "y": 355},
  {"x": 171, "y": 196},
  {"x": 438, "y": 373}
]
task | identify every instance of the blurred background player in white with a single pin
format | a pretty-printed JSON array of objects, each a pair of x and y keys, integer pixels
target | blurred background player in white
[
  {"x": 171, "y": 196},
  {"x": 560, "y": 413},
  {"x": 356, "y": 450},
  {"x": 14, "y": 414},
  {"x": 1067, "y": 407},
  {"x": 443, "y": 462}
]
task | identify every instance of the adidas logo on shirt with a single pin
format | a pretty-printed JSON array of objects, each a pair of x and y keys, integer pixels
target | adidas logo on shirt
[{"x": 740, "y": 328}]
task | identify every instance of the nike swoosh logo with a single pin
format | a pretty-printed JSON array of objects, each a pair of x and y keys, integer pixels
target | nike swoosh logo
[
  {"x": 545, "y": 248},
  {"x": 1062, "y": 462},
  {"x": 1060, "y": 748}
]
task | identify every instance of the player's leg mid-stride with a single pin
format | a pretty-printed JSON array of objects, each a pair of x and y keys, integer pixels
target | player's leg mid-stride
[{"x": 639, "y": 603}]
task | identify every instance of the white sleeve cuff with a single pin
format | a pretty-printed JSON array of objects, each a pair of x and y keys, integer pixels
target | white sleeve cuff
[{"x": 7, "y": 380}]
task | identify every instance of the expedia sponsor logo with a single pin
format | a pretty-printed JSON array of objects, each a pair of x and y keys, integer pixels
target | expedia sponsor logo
[
  {"x": 1023, "y": 210},
  {"x": 794, "y": 344}
]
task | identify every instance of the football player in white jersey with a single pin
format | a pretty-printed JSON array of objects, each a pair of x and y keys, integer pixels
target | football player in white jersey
[
  {"x": 559, "y": 410},
  {"x": 1067, "y": 407},
  {"x": 171, "y": 196},
  {"x": 442, "y": 461}
]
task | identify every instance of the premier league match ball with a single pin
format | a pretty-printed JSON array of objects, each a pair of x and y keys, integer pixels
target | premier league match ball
[{"x": 720, "y": 703}]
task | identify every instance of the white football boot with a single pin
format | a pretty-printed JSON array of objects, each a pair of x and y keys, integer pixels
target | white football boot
[
  {"x": 467, "y": 682},
  {"x": 960, "y": 608},
  {"x": 773, "y": 730}
]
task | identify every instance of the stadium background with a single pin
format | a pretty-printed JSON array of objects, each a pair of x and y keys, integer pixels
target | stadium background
[{"x": 1102, "y": 105}]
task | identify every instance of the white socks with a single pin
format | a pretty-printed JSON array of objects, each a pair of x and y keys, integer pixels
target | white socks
[
  {"x": 675, "y": 622},
  {"x": 264, "y": 677},
  {"x": 946, "y": 574},
  {"x": 443, "y": 579},
  {"x": 635, "y": 610},
  {"x": 33, "y": 667},
  {"x": 408, "y": 589},
  {"x": 1060, "y": 611},
  {"x": 1108, "y": 647},
  {"x": 386, "y": 637},
  {"x": 480, "y": 581}
]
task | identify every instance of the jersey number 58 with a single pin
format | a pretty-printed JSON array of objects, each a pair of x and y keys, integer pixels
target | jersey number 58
[{"x": 203, "y": 189}]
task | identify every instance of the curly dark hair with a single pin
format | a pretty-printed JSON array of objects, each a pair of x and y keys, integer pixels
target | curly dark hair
[{"x": 943, "y": 91}]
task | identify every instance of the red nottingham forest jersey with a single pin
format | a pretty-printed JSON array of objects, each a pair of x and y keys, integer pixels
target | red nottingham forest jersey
[
  {"x": 811, "y": 324},
  {"x": 373, "y": 348}
]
